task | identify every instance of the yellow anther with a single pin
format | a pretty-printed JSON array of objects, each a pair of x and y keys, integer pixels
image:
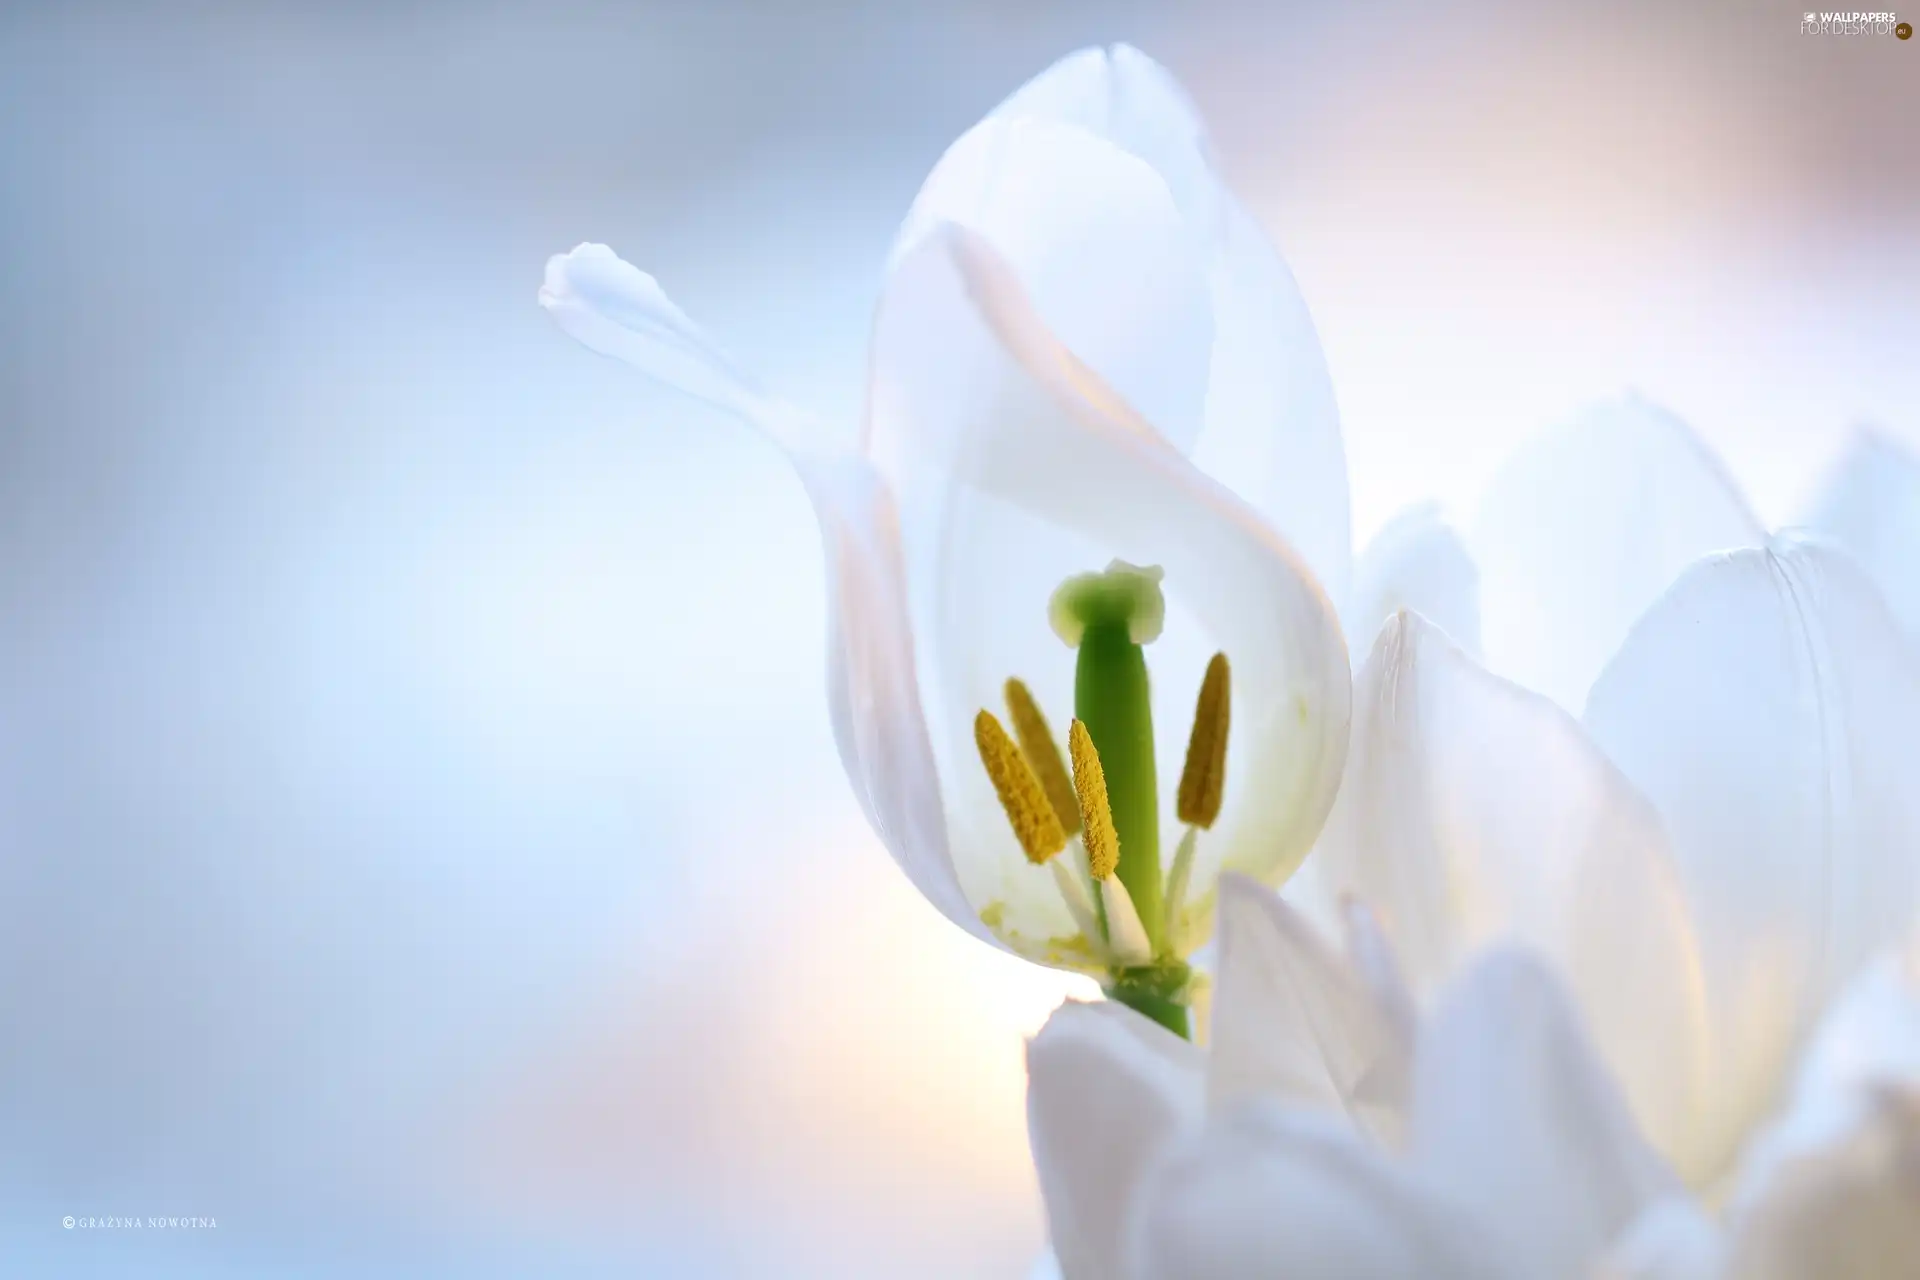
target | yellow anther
[
  {"x": 1096, "y": 815},
  {"x": 1204, "y": 780},
  {"x": 1034, "y": 823},
  {"x": 1037, "y": 744}
]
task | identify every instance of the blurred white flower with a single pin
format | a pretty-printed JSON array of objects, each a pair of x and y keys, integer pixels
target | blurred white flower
[
  {"x": 1085, "y": 355},
  {"x": 1707, "y": 856},
  {"x": 1584, "y": 527},
  {"x": 1324, "y": 1134}
]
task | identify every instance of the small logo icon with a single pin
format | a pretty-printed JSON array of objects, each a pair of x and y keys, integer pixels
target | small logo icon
[
  {"x": 67, "y": 1222},
  {"x": 1904, "y": 30}
]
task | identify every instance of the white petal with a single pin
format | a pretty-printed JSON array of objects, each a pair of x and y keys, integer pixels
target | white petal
[
  {"x": 1474, "y": 811},
  {"x": 1869, "y": 1040},
  {"x": 611, "y": 306},
  {"x": 1272, "y": 430},
  {"x": 1582, "y": 529},
  {"x": 1770, "y": 709},
  {"x": 1264, "y": 1191},
  {"x": 1673, "y": 1239},
  {"x": 1107, "y": 1091},
  {"x": 1096, "y": 241},
  {"x": 1291, "y": 1020},
  {"x": 1846, "y": 1212},
  {"x": 1418, "y": 563},
  {"x": 1870, "y": 505},
  {"x": 1130, "y": 100},
  {"x": 619, "y": 310},
  {"x": 1021, "y": 467},
  {"x": 1512, "y": 1108}
]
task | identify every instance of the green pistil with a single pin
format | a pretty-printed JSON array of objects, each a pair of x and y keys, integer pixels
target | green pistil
[{"x": 1111, "y": 616}]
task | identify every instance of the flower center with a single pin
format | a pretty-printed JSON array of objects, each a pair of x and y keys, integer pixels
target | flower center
[{"x": 1130, "y": 908}]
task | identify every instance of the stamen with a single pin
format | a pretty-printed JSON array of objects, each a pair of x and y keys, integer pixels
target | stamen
[
  {"x": 1073, "y": 892},
  {"x": 1042, "y": 751},
  {"x": 1204, "y": 780},
  {"x": 1096, "y": 814},
  {"x": 1126, "y": 934},
  {"x": 1033, "y": 820},
  {"x": 1176, "y": 896}
]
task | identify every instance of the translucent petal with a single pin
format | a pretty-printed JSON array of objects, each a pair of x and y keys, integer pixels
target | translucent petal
[
  {"x": 1063, "y": 207},
  {"x": 1272, "y": 430},
  {"x": 1268, "y": 1191},
  {"x": 1418, "y": 563},
  {"x": 1107, "y": 1091},
  {"x": 1474, "y": 811},
  {"x": 618, "y": 310},
  {"x": 1292, "y": 1020},
  {"x": 1869, "y": 1040},
  {"x": 1870, "y": 505},
  {"x": 1583, "y": 528},
  {"x": 1513, "y": 1110},
  {"x": 1018, "y": 467},
  {"x": 1845, "y": 1212},
  {"x": 1770, "y": 709}
]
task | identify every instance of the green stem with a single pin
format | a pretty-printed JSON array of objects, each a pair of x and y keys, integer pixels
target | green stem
[
  {"x": 1110, "y": 694},
  {"x": 1158, "y": 992}
]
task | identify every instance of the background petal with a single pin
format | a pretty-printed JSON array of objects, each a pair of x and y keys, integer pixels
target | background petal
[
  {"x": 1417, "y": 562},
  {"x": 1845, "y": 1212},
  {"x": 1770, "y": 709},
  {"x": 1513, "y": 1110},
  {"x": 1292, "y": 1020},
  {"x": 1267, "y": 1191},
  {"x": 1019, "y": 467},
  {"x": 1868, "y": 1041},
  {"x": 1107, "y": 1091},
  {"x": 1474, "y": 811},
  {"x": 1272, "y": 429},
  {"x": 1583, "y": 528},
  {"x": 1870, "y": 504},
  {"x": 1672, "y": 1239},
  {"x": 618, "y": 310}
]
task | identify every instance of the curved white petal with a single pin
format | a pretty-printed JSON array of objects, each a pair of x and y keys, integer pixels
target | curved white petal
[
  {"x": 1673, "y": 1239},
  {"x": 1019, "y": 467},
  {"x": 1845, "y": 1212},
  {"x": 1063, "y": 206},
  {"x": 1264, "y": 1191},
  {"x": 1292, "y": 1020},
  {"x": 1583, "y": 528},
  {"x": 1107, "y": 1092},
  {"x": 1272, "y": 429},
  {"x": 618, "y": 310},
  {"x": 1870, "y": 505},
  {"x": 1418, "y": 563},
  {"x": 1770, "y": 709},
  {"x": 1475, "y": 811},
  {"x": 1513, "y": 1110}
]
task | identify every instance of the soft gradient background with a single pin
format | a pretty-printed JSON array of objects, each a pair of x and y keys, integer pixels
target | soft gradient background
[{"x": 421, "y": 844}]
